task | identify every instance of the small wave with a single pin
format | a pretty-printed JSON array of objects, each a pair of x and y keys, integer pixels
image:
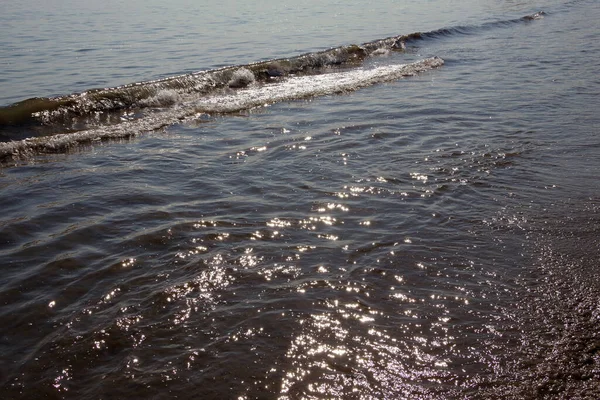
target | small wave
[{"x": 292, "y": 88}]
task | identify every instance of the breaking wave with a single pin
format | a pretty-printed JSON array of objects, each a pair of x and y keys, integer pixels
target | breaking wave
[
  {"x": 59, "y": 123},
  {"x": 290, "y": 89}
]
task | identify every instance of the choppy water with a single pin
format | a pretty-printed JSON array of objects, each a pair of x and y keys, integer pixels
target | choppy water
[{"x": 370, "y": 225}]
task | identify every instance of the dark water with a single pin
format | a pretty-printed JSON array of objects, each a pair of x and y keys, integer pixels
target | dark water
[{"x": 431, "y": 237}]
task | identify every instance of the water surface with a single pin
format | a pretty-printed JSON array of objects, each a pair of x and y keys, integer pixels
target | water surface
[{"x": 428, "y": 236}]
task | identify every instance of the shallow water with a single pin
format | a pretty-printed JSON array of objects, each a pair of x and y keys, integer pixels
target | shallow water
[{"x": 429, "y": 237}]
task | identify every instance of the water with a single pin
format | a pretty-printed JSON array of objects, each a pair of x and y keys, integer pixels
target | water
[{"x": 433, "y": 236}]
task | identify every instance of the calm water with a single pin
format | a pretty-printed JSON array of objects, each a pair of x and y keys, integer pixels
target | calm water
[{"x": 432, "y": 236}]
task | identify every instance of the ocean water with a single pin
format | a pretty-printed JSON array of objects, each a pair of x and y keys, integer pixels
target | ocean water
[{"x": 300, "y": 200}]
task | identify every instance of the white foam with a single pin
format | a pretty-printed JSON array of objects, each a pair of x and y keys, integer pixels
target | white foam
[
  {"x": 311, "y": 86},
  {"x": 241, "y": 78},
  {"x": 164, "y": 97}
]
